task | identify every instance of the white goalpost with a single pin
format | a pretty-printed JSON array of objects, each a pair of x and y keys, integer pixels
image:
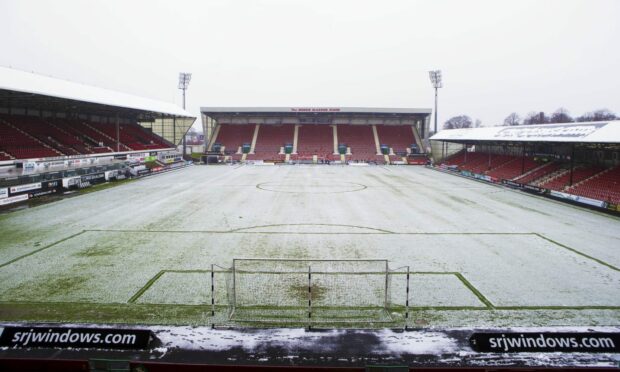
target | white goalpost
[{"x": 294, "y": 290}]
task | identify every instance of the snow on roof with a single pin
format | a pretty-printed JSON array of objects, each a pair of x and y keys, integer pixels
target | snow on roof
[
  {"x": 590, "y": 132},
  {"x": 306, "y": 109},
  {"x": 26, "y": 82}
]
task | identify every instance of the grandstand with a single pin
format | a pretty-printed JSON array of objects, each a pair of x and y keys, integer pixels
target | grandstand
[
  {"x": 36, "y": 122},
  {"x": 279, "y": 134},
  {"x": 575, "y": 161},
  {"x": 52, "y": 130}
]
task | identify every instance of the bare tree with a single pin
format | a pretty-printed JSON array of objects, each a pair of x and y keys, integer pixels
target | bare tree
[
  {"x": 534, "y": 117},
  {"x": 477, "y": 123},
  {"x": 512, "y": 119},
  {"x": 598, "y": 115},
  {"x": 456, "y": 122},
  {"x": 561, "y": 115}
]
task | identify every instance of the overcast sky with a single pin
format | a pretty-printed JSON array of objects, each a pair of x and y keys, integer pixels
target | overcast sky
[{"x": 496, "y": 56}]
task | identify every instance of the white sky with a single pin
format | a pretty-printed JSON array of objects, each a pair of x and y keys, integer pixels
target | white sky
[{"x": 496, "y": 56}]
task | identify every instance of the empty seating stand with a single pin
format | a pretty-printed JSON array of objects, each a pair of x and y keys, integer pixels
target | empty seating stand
[
  {"x": 539, "y": 172},
  {"x": 491, "y": 161},
  {"x": 457, "y": 159},
  {"x": 315, "y": 139},
  {"x": 361, "y": 141},
  {"x": 269, "y": 141},
  {"x": 24, "y": 137},
  {"x": 603, "y": 186},
  {"x": 468, "y": 160},
  {"x": 579, "y": 174},
  {"x": 590, "y": 181},
  {"x": 234, "y": 135},
  {"x": 398, "y": 137},
  {"x": 507, "y": 167},
  {"x": 22, "y": 146},
  {"x": 513, "y": 168}
]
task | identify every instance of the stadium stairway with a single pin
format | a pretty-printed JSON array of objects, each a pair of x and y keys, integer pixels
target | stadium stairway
[
  {"x": 295, "y": 138},
  {"x": 397, "y": 137},
  {"x": 102, "y": 141},
  {"x": 21, "y": 145},
  {"x": 216, "y": 132},
  {"x": 85, "y": 142},
  {"x": 254, "y": 138},
  {"x": 335, "y": 138},
  {"x": 580, "y": 173},
  {"x": 549, "y": 177},
  {"x": 4, "y": 156},
  {"x": 70, "y": 139},
  {"x": 514, "y": 168},
  {"x": 270, "y": 140},
  {"x": 46, "y": 133},
  {"x": 375, "y": 135},
  {"x": 537, "y": 172},
  {"x": 418, "y": 139},
  {"x": 232, "y": 137},
  {"x": 110, "y": 142},
  {"x": 604, "y": 185}
]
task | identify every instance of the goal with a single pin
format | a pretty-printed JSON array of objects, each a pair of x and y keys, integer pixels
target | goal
[{"x": 289, "y": 290}]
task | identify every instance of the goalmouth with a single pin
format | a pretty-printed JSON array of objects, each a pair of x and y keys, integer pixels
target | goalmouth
[{"x": 309, "y": 290}]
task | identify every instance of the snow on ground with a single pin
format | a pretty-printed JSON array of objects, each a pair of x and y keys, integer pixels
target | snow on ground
[
  {"x": 466, "y": 242},
  {"x": 422, "y": 347},
  {"x": 445, "y": 346}
]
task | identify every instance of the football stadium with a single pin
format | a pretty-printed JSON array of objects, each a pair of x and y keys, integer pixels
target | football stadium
[
  {"x": 312, "y": 218},
  {"x": 349, "y": 238}
]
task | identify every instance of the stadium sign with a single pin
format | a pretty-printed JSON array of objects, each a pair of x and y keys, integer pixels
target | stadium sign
[
  {"x": 42, "y": 193},
  {"x": 93, "y": 177},
  {"x": 554, "y": 131},
  {"x": 534, "y": 188},
  {"x": 75, "y": 337},
  {"x": 110, "y": 175},
  {"x": 512, "y": 183},
  {"x": 579, "y": 199},
  {"x": 52, "y": 184},
  {"x": 27, "y": 187},
  {"x": 315, "y": 109},
  {"x": 67, "y": 182},
  {"x": 4, "y": 192},
  {"x": 13, "y": 199},
  {"x": 572, "y": 342},
  {"x": 29, "y": 165}
]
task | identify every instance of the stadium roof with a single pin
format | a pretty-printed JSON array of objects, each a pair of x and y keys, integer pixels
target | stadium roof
[
  {"x": 306, "y": 109},
  {"x": 26, "y": 82},
  {"x": 590, "y": 132}
]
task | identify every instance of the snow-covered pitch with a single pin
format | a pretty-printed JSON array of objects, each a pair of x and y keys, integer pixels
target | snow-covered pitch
[{"x": 479, "y": 255}]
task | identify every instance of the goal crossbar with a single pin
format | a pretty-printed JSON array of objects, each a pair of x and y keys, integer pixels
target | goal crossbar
[{"x": 308, "y": 284}]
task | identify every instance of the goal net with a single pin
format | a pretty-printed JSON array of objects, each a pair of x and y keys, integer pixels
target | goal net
[{"x": 287, "y": 290}]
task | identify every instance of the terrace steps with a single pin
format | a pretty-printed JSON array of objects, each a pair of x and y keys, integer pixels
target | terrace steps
[
  {"x": 526, "y": 174},
  {"x": 591, "y": 178},
  {"x": 550, "y": 177}
]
